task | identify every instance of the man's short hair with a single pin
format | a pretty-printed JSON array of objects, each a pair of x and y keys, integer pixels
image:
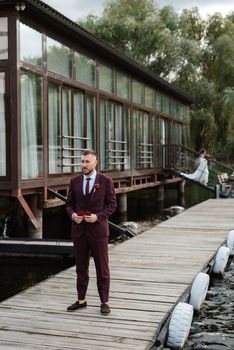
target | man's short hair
[{"x": 86, "y": 152}]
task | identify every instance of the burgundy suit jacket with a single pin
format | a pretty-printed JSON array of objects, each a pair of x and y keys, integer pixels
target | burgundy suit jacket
[{"x": 101, "y": 201}]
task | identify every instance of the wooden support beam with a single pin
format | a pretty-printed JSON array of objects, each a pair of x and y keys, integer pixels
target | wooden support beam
[{"x": 28, "y": 211}]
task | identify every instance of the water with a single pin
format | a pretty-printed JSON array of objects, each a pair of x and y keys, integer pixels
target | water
[
  {"x": 213, "y": 325},
  {"x": 18, "y": 274}
]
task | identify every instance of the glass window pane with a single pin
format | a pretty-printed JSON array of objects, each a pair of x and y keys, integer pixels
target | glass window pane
[
  {"x": 166, "y": 105},
  {"x": 159, "y": 101},
  {"x": 111, "y": 130},
  {"x": 103, "y": 136},
  {"x": 54, "y": 116},
  {"x": 66, "y": 131},
  {"x": 149, "y": 97},
  {"x": 135, "y": 144},
  {"x": 91, "y": 122},
  {"x": 126, "y": 136},
  {"x": 2, "y": 126},
  {"x": 3, "y": 38},
  {"x": 118, "y": 132},
  {"x": 59, "y": 58},
  {"x": 122, "y": 81},
  {"x": 137, "y": 92},
  {"x": 85, "y": 69},
  {"x": 31, "y": 127},
  {"x": 79, "y": 130},
  {"x": 106, "y": 78},
  {"x": 30, "y": 45}
]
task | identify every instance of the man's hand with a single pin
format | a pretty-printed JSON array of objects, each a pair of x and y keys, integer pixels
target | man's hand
[
  {"x": 77, "y": 219},
  {"x": 90, "y": 218}
]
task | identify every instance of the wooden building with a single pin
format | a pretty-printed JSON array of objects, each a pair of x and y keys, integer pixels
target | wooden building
[{"x": 63, "y": 90}]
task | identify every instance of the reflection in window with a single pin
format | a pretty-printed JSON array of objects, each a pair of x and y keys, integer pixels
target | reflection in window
[
  {"x": 79, "y": 130},
  {"x": 85, "y": 69},
  {"x": 160, "y": 137},
  {"x": 159, "y": 101},
  {"x": 30, "y": 45},
  {"x": 126, "y": 136},
  {"x": 166, "y": 108},
  {"x": 91, "y": 122},
  {"x": 137, "y": 92},
  {"x": 2, "y": 127},
  {"x": 103, "y": 135},
  {"x": 106, "y": 78},
  {"x": 149, "y": 97},
  {"x": 66, "y": 131},
  {"x": 31, "y": 126},
  {"x": 176, "y": 133},
  {"x": 122, "y": 82},
  {"x": 54, "y": 116},
  {"x": 59, "y": 58},
  {"x": 114, "y": 136},
  {"x": 142, "y": 140},
  {"x": 3, "y": 38}
]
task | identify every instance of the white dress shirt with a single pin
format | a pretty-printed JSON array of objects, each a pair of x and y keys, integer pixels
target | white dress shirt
[{"x": 91, "y": 181}]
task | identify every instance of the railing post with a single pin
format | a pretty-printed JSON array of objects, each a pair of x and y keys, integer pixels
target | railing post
[{"x": 217, "y": 191}]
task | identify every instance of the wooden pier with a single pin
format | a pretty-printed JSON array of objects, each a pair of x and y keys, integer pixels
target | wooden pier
[{"x": 149, "y": 274}]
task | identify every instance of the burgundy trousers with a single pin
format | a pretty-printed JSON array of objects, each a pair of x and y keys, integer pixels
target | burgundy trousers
[{"x": 85, "y": 246}]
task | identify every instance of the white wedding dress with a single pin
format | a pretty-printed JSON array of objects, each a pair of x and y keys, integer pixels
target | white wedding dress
[{"x": 201, "y": 174}]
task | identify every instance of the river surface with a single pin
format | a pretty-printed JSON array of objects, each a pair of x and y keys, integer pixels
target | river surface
[{"x": 213, "y": 325}]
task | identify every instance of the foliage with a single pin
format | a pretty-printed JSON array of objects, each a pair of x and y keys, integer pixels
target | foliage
[{"x": 192, "y": 53}]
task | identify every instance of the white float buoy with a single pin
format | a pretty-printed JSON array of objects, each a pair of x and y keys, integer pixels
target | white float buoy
[
  {"x": 230, "y": 242},
  {"x": 221, "y": 260},
  {"x": 199, "y": 290},
  {"x": 176, "y": 209},
  {"x": 179, "y": 326}
]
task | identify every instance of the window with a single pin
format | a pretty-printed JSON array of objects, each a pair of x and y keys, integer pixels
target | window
[
  {"x": 59, "y": 58},
  {"x": 72, "y": 128},
  {"x": 91, "y": 121},
  {"x": 103, "y": 135},
  {"x": 79, "y": 128},
  {"x": 85, "y": 69},
  {"x": 54, "y": 116},
  {"x": 137, "y": 92},
  {"x": 106, "y": 78},
  {"x": 122, "y": 81},
  {"x": 3, "y": 38},
  {"x": 31, "y": 127},
  {"x": 142, "y": 140},
  {"x": 166, "y": 108},
  {"x": 159, "y": 101},
  {"x": 114, "y": 136},
  {"x": 67, "y": 151},
  {"x": 30, "y": 45},
  {"x": 2, "y": 126},
  {"x": 149, "y": 97},
  {"x": 161, "y": 140}
]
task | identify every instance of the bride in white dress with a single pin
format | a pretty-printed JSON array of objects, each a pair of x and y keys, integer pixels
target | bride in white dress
[{"x": 201, "y": 174}]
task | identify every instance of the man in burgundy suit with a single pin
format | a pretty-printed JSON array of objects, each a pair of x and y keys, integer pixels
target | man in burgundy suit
[{"x": 91, "y": 200}]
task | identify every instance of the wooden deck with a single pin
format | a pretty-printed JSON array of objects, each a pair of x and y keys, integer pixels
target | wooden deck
[{"x": 149, "y": 274}]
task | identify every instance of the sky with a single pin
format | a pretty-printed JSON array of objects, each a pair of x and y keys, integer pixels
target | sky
[{"x": 75, "y": 9}]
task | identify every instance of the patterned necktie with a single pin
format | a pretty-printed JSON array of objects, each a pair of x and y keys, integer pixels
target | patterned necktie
[{"x": 87, "y": 186}]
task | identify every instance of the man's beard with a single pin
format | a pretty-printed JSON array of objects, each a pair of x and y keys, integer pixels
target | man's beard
[{"x": 86, "y": 172}]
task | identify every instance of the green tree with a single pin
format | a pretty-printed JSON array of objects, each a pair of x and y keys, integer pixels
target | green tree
[
  {"x": 192, "y": 53},
  {"x": 139, "y": 29}
]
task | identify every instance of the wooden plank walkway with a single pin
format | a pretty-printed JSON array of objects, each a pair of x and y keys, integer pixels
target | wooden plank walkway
[{"x": 149, "y": 273}]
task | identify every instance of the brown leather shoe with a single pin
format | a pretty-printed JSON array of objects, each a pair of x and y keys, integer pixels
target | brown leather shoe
[
  {"x": 76, "y": 306},
  {"x": 105, "y": 309}
]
